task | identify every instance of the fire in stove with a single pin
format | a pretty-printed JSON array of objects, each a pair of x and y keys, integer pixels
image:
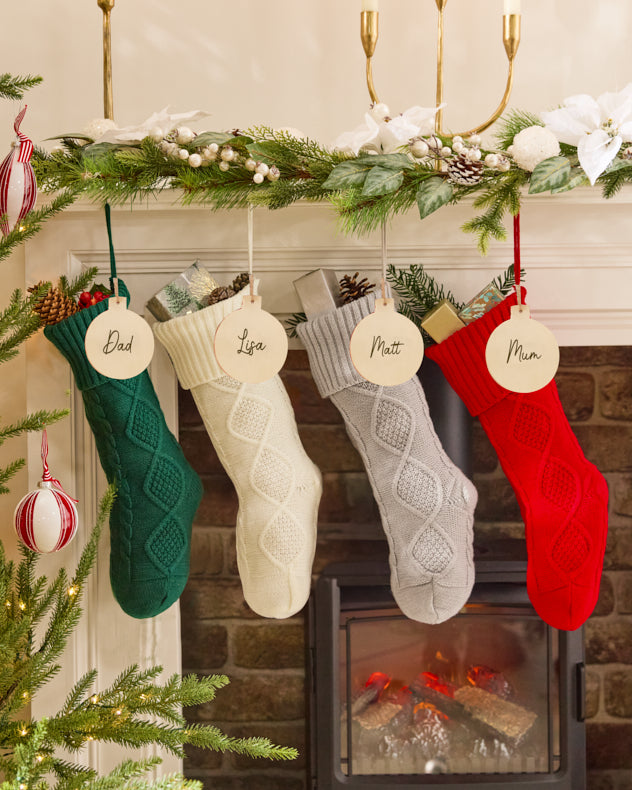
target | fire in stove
[{"x": 440, "y": 722}]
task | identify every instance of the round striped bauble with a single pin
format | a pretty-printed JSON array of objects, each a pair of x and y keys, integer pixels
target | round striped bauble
[
  {"x": 46, "y": 519},
  {"x": 18, "y": 188}
]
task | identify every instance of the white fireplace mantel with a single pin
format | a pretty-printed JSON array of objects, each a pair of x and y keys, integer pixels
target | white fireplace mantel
[{"x": 577, "y": 251}]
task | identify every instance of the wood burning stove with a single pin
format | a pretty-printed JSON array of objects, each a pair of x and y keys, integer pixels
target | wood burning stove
[{"x": 493, "y": 698}]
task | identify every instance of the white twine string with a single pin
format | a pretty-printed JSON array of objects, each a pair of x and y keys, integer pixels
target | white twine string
[
  {"x": 384, "y": 262},
  {"x": 251, "y": 244}
]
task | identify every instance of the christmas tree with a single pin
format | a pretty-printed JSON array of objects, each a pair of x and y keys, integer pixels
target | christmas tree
[{"x": 38, "y": 615}]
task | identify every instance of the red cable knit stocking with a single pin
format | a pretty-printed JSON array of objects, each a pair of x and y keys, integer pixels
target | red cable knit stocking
[{"x": 563, "y": 498}]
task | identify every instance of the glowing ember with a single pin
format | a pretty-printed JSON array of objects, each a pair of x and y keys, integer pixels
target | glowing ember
[
  {"x": 432, "y": 681},
  {"x": 378, "y": 681}
]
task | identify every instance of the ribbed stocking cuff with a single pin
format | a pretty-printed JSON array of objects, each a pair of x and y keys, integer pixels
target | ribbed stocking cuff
[
  {"x": 462, "y": 359},
  {"x": 326, "y": 339},
  {"x": 189, "y": 340},
  {"x": 69, "y": 337}
]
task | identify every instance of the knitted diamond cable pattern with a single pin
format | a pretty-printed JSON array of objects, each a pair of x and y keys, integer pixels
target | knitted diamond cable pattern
[
  {"x": 157, "y": 491},
  {"x": 562, "y": 496},
  {"x": 425, "y": 502},
  {"x": 254, "y": 432}
]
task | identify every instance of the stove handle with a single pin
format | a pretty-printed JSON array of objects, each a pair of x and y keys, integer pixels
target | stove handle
[{"x": 581, "y": 691}]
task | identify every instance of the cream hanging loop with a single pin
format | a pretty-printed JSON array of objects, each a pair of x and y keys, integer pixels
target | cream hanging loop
[
  {"x": 384, "y": 261},
  {"x": 251, "y": 244}
]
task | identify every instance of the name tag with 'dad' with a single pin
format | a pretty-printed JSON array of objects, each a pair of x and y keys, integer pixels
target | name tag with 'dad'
[{"x": 119, "y": 343}]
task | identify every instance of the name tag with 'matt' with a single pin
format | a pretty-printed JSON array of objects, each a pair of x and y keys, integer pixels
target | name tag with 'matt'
[
  {"x": 386, "y": 347},
  {"x": 522, "y": 355}
]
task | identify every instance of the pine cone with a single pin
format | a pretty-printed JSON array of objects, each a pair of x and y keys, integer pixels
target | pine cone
[
  {"x": 351, "y": 289},
  {"x": 219, "y": 294},
  {"x": 241, "y": 281},
  {"x": 54, "y": 306},
  {"x": 462, "y": 170}
]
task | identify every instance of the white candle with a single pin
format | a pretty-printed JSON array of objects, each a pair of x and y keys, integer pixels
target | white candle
[
  {"x": 369, "y": 5},
  {"x": 511, "y": 7}
]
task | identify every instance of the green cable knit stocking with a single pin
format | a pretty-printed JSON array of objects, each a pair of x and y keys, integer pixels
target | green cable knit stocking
[{"x": 157, "y": 491}]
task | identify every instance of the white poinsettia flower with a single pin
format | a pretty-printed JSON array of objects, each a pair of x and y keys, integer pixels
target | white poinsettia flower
[
  {"x": 163, "y": 120},
  {"x": 597, "y": 127},
  {"x": 382, "y": 134},
  {"x": 365, "y": 136}
]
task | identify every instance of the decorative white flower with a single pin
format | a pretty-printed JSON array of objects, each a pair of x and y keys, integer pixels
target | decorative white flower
[
  {"x": 533, "y": 145},
  {"x": 598, "y": 127},
  {"x": 162, "y": 121},
  {"x": 382, "y": 134}
]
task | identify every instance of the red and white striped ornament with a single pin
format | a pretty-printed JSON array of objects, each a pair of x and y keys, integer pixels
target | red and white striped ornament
[
  {"x": 46, "y": 519},
  {"x": 18, "y": 188}
]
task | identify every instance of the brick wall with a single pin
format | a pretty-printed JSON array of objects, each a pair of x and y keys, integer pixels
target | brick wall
[{"x": 265, "y": 659}]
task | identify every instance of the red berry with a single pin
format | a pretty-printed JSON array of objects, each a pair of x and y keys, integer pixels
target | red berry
[
  {"x": 98, "y": 296},
  {"x": 85, "y": 299}
]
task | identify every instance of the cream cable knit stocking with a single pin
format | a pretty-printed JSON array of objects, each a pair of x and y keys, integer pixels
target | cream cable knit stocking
[
  {"x": 254, "y": 432},
  {"x": 426, "y": 503}
]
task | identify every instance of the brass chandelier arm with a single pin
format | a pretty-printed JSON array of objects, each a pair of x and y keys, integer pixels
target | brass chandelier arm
[
  {"x": 369, "y": 34},
  {"x": 108, "y": 102},
  {"x": 499, "y": 110},
  {"x": 369, "y": 81},
  {"x": 511, "y": 41}
]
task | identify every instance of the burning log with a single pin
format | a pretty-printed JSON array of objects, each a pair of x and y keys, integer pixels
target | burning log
[
  {"x": 490, "y": 680},
  {"x": 374, "y": 686},
  {"x": 378, "y": 715},
  {"x": 510, "y": 721},
  {"x": 484, "y": 714}
]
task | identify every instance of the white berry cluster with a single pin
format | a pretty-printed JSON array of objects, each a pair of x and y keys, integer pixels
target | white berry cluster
[
  {"x": 532, "y": 146},
  {"x": 225, "y": 155},
  {"x": 470, "y": 149}
]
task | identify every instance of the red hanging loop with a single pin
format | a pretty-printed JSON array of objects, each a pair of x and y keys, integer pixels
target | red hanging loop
[
  {"x": 46, "y": 476},
  {"x": 517, "y": 267}
]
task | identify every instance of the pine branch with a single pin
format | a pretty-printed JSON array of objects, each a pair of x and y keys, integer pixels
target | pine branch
[
  {"x": 72, "y": 288},
  {"x": 32, "y": 422},
  {"x": 14, "y": 88},
  {"x": 292, "y": 322},
  {"x": 499, "y": 198},
  {"x": 32, "y": 223},
  {"x": 512, "y": 124},
  {"x": 506, "y": 282}
]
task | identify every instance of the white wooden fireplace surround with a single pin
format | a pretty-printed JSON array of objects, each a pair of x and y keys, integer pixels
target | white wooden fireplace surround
[{"x": 577, "y": 250}]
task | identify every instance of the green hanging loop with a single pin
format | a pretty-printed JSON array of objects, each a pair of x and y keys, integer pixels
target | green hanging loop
[{"x": 113, "y": 277}]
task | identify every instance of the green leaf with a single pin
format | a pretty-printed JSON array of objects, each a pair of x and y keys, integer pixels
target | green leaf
[
  {"x": 432, "y": 194},
  {"x": 617, "y": 164},
  {"x": 96, "y": 149},
  {"x": 381, "y": 180},
  {"x": 550, "y": 174},
  {"x": 78, "y": 136},
  {"x": 348, "y": 174},
  {"x": 270, "y": 152},
  {"x": 577, "y": 179},
  {"x": 390, "y": 161},
  {"x": 206, "y": 138}
]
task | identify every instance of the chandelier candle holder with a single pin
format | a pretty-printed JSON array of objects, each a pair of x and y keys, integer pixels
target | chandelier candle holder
[
  {"x": 108, "y": 102},
  {"x": 369, "y": 26}
]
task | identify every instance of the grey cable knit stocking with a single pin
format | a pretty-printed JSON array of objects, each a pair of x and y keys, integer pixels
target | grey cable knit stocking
[{"x": 426, "y": 503}]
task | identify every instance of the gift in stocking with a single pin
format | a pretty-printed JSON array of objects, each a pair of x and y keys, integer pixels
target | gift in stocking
[
  {"x": 253, "y": 430},
  {"x": 426, "y": 504},
  {"x": 562, "y": 496},
  {"x": 157, "y": 491}
]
